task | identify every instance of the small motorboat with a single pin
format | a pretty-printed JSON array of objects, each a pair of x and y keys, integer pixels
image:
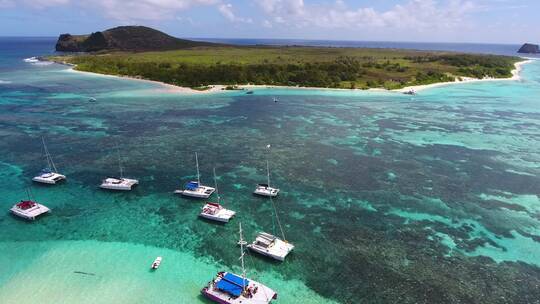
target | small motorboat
[
  {"x": 250, "y": 92},
  {"x": 92, "y": 99},
  {"x": 156, "y": 263},
  {"x": 410, "y": 92},
  {"x": 275, "y": 99}
]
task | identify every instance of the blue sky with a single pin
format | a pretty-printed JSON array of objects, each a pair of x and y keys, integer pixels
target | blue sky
[{"x": 502, "y": 21}]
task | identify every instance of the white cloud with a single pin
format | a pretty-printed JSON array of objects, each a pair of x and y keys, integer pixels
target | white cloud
[
  {"x": 129, "y": 11},
  {"x": 227, "y": 11},
  {"x": 413, "y": 14}
]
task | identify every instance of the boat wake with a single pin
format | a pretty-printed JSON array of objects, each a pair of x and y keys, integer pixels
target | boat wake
[
  {"x": 36, "y": 61},
  {"x": 4, "y": 81},
  {"x": 31, "y": 60}
]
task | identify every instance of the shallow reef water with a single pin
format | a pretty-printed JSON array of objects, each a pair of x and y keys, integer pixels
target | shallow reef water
[{"x": 388, "y": 198}]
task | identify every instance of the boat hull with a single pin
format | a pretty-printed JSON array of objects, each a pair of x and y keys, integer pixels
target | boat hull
[
  {"x": 30, "y": 215},
  {"x": 203, "y": 192},
  {"x": 113, "y": 184},
  {"x": 52, "y": 180},
  {"x": 215, "y": 218}
]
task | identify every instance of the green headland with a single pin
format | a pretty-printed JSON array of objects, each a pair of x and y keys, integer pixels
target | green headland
[{"x": 192, "y": 64}]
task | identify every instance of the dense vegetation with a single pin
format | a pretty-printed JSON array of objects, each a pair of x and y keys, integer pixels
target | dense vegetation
[{"x": 295, "y": 66}]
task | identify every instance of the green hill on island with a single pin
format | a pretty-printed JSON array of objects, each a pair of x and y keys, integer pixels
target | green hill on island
[
  {"x": 199, "y": 64},
  {"x": 124, "y": 38}
]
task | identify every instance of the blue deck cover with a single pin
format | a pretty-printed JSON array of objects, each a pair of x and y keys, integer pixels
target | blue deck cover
[
  {"x": 192, "y": 186},
  {"x": 232, "y": 284}
]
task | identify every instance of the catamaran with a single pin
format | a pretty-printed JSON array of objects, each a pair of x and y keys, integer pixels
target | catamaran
[
  {"x": 50, "y": 174},
  {"x": 215, "y": 211},
  {"x": 230, "y": 288},
  {"x": 194, "y": 188},
  {"x": 29, "y": 209},
  {"x": 270, "y": 245},
  {"x": 265, "y": 189},
  {"x": 120, "y": 184}
]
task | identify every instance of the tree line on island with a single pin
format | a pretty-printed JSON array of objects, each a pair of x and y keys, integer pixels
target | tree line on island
[
  {"x": 342, "y": 72},
  {"x": 147, "y": 53}
]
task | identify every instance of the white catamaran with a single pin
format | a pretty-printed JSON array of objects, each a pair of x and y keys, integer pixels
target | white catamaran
[
  {"x": 215, "y": 211},
  {"x": 120, "y": 184},
  {"x": 48, "y": 175},
  {"x": 270, "y": 245},
  {"x": 29, "y": 209},
  {"x": 194, "y": 188},
  {"x": 230, "y": 288},
  {"x": 265, "y": 189}
]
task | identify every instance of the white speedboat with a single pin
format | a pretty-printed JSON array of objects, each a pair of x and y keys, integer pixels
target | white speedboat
[
  {"x": 121, "y": 184},
  {"x": 156, "y": 263},
  {"x": 29, "y": 210},
  {"x": 216, "y": 212},
  {"x": 50, "y": 174},
  {"x": 271, "y": 246},
  {"x": 230, "y": 288},
  {"x": 265, "y": 189},
  {"x": 195, "y": 188}
]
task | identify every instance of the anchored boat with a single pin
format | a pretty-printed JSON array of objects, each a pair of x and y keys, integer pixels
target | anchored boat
[
  {"x": 29, "y": 209},
  {"x": 230, "y": 288},
  {"x": 215, "y": 211},
  {"x": 156, "y": 263},
  {"x": 120, "y": 184},
  {"x": 270, "y": 245},
  {"x": 195, "y": 188},
  {"x": 50, "y": 174},
  {"x": 265, "y": 189}
]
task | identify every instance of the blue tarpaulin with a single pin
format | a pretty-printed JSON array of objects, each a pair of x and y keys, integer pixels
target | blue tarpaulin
[
  {"x": 192, "y": 186},
  {"x": 232, "y": 284}
]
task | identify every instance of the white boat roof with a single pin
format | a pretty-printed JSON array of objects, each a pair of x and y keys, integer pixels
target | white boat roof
[{"x": 272, "y": 245}]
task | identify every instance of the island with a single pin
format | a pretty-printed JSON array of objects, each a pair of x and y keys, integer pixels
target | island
[
  {"x": 146, "y": 53},
  {"x": 529, "y": 48}
]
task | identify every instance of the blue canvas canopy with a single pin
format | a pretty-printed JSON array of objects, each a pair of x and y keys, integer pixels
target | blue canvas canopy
[
  {"x": 192, "y": 186},
  {"x": 232, "y": 284}
]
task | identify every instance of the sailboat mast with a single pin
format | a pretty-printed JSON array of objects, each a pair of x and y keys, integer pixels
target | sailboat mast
[
  {"x": 50, "y": 162},
  {"x": 268, "y": 172},
  {"x": 198, "y": 174},
  {"x": 120, "y": 164},
  {"x": 215, "y": 186},
  {"x": 242, "y": 257}
]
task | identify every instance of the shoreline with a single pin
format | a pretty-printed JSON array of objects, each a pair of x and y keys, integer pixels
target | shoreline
[{"x": 174, "y": 89}]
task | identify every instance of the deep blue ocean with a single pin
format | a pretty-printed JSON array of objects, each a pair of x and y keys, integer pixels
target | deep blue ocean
[{"x": 387, "y": 198}]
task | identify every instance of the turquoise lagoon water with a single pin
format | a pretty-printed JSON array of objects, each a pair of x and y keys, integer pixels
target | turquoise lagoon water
[{"x": 388, "y": 198}]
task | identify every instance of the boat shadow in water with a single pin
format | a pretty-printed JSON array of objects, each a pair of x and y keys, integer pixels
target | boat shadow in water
[
  {"x": 266, "y": 259},
  {"x": 209, "y": 221}
]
